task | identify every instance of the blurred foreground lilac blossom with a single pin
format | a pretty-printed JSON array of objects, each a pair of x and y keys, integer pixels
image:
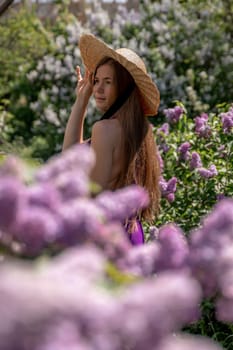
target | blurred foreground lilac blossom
[
  {"x": 56, "y": 208},
  {"x": 81, "y": 220},
  {"x": 140, "y": 261},
  {"x": 35, "y": 228},
  {"x": 38, "y": 304},
  {"x": 188, "y": 342},
  {"x": 162, "y": 315},
  {"x": 208, "y": 245},
  {"x": 12, "y": 166},
  {"x": 169, "y": 251},
  {"x": 11, "y": 198},
  {"x": 79, "y": 157},
  {"x": 88, "y": 295},
  {"x": 46, "y": 196},
  {"x": 174, "y": 250},
  {"x": 128, "y": 200}
]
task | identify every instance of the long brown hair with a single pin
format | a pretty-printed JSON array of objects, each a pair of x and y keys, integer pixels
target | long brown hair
[{"x": 140, "y": 162}]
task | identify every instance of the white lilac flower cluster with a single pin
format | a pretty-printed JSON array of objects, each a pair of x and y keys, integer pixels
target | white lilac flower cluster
[{"x": 174, "y": 35}]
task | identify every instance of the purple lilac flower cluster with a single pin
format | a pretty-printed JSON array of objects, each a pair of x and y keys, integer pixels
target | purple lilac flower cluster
[
  {"x": 194, "y": 147},
  {"x": 59, "y": 307},
  {"x": 169, "y": 251},
  {"x": 161, "y": 134},
  {"x": 202, "y": 129},
  {"x": 206, "y": 254},
  {"x": 183, "y": 151},
  {"x": 173, "y": 115},
  {"x": 184, "y": 154},
  {"x": 208, "y": 173},
  {"x": 56, "y": 208},
  {"x": 227, "y": 121},
  {"x": 210, "y": 257},
  {"x": 168, "y": 188},
  {"x": 195, "y": 161}
]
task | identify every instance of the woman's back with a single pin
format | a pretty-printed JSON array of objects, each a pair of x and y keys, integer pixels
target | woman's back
[{"x": 106, "y": 141}]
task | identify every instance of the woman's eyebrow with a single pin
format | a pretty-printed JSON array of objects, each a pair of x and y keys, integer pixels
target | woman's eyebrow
[{"x": 105, "y": 78}]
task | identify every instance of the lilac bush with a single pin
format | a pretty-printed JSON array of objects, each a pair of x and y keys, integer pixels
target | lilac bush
[
  {"x": 180, "y": 38},
  {"x": 43, "y": 308},
  {"x": 197, "y": 151},
  {"x": 197, "y": 169}
]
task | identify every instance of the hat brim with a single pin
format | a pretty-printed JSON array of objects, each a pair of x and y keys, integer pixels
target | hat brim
[{"x": 93, "y": 50}]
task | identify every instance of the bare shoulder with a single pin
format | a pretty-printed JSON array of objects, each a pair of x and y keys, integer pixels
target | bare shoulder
[{"x": 109, "y": 129}]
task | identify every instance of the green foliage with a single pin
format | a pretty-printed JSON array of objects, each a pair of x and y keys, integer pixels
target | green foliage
[
  {"x": 30, "y": 88},
  {"x": 42, "y": 97},
  {"x": 23, "y": 40},
  {"x": 209, "y": 326}
]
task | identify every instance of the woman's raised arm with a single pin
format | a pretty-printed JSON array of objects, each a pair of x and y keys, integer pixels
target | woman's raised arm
[{"x": 74, "y": 127}]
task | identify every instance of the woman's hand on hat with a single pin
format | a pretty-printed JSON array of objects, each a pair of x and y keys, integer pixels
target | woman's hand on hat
[{"x": 84, "y": 85}]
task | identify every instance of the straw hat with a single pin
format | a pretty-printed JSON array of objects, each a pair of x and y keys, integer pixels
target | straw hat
[{"x": 93, "y": 50}]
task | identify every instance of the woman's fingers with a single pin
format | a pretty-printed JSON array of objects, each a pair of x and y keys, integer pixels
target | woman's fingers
[
  {"x": 84, "y": 85},
  {"x": 78, "y": 72},
  {"x": 86, "y": 77}
]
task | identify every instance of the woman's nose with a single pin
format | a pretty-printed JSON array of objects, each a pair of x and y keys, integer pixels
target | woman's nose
[{"x": 100, "y": 87}]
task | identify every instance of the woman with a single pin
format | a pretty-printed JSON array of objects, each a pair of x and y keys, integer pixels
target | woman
[{"x": 123, "y": 139}]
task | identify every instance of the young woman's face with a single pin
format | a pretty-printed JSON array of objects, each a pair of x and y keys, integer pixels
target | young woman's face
[{"x": 105, "y": 87}]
